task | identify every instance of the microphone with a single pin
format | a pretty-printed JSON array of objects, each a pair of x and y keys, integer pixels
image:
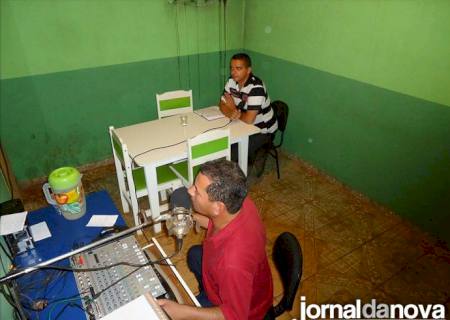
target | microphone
[{"x": 179, "y": 222}]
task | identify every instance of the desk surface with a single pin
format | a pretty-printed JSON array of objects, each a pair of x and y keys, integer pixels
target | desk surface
[
  {"x": 157, "y": 134},
  {"x": 66, "y": 235}
]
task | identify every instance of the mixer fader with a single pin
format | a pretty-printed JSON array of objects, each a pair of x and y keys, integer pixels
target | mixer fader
[{"x": 101, "y": 291}]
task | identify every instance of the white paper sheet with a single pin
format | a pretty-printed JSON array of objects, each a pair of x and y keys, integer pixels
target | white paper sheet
[
  {"x": 102, "y": 220},
  {"x": 40, "y": 231},
  {"x": 11, "y": 223},
  {"x": 210, "y": 113},
  {"x": 139, "y": 308}
]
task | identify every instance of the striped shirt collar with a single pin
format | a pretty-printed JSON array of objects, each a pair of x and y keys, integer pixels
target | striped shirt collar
[{"x": 249, "y": 80}]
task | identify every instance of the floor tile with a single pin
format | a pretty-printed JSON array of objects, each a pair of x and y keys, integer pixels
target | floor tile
[{"x": 352, "y": 247}]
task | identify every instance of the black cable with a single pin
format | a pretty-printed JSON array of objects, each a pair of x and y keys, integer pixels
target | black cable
[
  {"x": 8, "y": 297},
  {"x": 78, "y": 306},
  {"x": 146, "y": 239},
  {"x": 61, "y": 311},
  {"x": 32, "y": 304},
  {"x": 16, "y": 315},
  {"x": 137, "y": 266},
  {"x": 122, "y": 263},
  {"x": 64, "y": 276},
  {"x": 157, "y": 148},
  {"x": 224, "y": 78},
  {"x": 220, "y": 46},
  {"x": 199, "y": 88},
  {"x": 97, "y": 294},
  {"x": 43, "y": 283},
  {"x": 79, "y": 294},
  {"x": 175, "y": 144},
  {"x": 61, "y": 268},
  {"x": 71, "y": 304},
  {"x": 133, "y": 265},
  {"x": 229, "y": 121},
  {"x": 56, "y": 277},
  {"x": 177, "y": 30},
  {"x": 188, "y": 58},
  {"x": 27, "y": 306}
]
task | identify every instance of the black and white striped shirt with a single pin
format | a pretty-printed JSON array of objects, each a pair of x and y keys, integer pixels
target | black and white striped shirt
[{"x": 253, "y": 96}]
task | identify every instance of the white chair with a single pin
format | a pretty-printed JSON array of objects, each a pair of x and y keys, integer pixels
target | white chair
[
  {"x": 132, "y": 183},
  {"x": 174, "y": 102},
  {"x": 205, "y": 147}
]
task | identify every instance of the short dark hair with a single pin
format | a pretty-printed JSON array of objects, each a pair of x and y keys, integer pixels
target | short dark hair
[
  {"x": 244, "y": 57},
  {"x": 228, "y": 183}
]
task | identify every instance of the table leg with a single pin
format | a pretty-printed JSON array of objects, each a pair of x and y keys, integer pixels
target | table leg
[
  {"x": 121, "y": 181},
  {"x": 152, "y": 190},
  {"x": 243, "y": 153}
]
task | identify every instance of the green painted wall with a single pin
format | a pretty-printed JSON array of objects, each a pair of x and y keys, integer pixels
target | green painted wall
[
  {"x": 71, "y": 68},
  {"x": 45, "y": 36},
  {"x": 367, "y": 82},
  {"x": 64, "y": 116},
  {"x": 360, "y": 118},
  {"x": 399, "y": 45},
  {"x": 390, "y": 146}
]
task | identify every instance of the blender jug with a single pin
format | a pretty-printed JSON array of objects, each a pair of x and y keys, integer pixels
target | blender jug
[{"x": 65, "y": 192}]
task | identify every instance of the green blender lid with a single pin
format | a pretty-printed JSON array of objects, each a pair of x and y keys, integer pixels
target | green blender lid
[{"x": 64, "y": 178}]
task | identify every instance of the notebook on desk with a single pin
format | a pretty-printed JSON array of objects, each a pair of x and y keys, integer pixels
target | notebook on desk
[{"x": 210, "y": 113}]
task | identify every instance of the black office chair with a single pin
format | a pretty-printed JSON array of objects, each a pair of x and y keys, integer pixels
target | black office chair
[
  {"x": 281, "y": 110},
  {"x": 288, "y": 258}
]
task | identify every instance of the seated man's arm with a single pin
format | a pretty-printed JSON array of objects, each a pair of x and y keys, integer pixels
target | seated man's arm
[
  {"x": 228, "y": 107},
  {"x": 255, "y": 100},
  {"x": 230, "y": 110},
  {"x": 226, "y": 102},
  {"x": 178, "y": 311},
  {"x": 248, "y": 116},
  {"x": 235, "y": 293}
]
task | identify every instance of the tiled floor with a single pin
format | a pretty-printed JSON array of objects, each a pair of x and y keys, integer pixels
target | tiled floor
[{"x": 352, "y": 247}]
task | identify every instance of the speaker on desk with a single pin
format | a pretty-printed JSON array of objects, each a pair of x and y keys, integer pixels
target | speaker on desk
[{"x": 11, "y": 206}]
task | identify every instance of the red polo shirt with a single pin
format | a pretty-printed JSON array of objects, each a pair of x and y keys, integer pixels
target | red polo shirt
[{"x": 236, "y": 273}]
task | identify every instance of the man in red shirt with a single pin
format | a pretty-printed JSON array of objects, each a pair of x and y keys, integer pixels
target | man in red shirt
[{"x": 231, "y": 266}]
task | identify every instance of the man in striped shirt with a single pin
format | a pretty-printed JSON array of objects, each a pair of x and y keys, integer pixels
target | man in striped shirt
[{"x": 245, "y": 97}]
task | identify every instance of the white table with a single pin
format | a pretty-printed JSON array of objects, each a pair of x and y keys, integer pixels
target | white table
[{"x": 159, "y": 142}]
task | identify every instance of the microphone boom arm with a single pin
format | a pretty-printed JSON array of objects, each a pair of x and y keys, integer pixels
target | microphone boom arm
[{"x": 23, "y": 271}]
